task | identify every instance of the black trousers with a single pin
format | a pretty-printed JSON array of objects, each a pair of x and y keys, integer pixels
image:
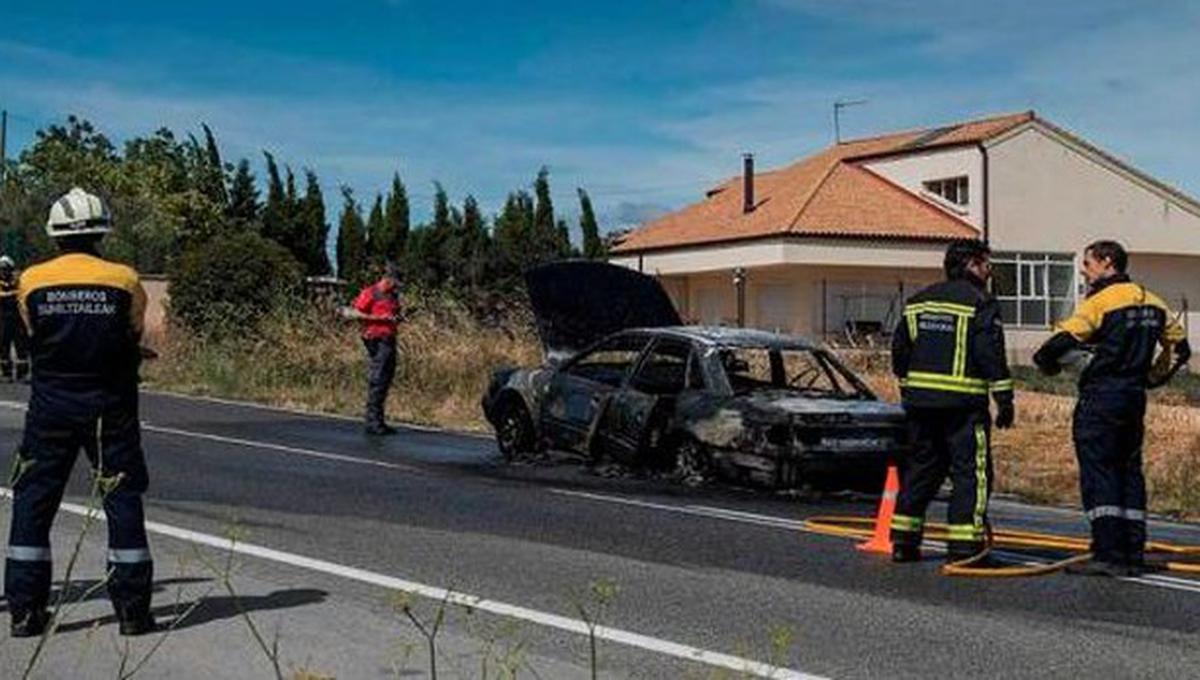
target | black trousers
[
  {"x": 13, "y": 338},
  {"x": 953, "y": 442},
  {"x": 381, "y": 369},
  {"x": 1108, "y": 428},
  {"x": 111, "y": 439}
]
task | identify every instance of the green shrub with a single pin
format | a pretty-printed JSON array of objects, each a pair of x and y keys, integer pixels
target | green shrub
[{"x": 228, "y": 283}]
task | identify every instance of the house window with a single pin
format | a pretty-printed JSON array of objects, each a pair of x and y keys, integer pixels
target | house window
[
  {"x": 953, "y": 189},
  {"x": 1034, "y": 289}
]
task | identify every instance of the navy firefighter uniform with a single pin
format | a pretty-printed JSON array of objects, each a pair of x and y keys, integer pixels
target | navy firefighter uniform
[
  {"x": 85, "y": 318},
  {"x": 948, "y": 353},
  {"x": 1122, "y": 324}
]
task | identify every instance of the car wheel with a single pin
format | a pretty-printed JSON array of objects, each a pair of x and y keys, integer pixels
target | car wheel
[
  {"x": 693, "y": 462},
  {"x": 514, "y": 429}
]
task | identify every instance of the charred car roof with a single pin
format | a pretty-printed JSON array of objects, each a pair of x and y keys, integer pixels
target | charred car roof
[{"x": 723, "y": 336}]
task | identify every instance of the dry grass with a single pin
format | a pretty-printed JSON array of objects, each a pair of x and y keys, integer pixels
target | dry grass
[{"x": 312, "y": 360}]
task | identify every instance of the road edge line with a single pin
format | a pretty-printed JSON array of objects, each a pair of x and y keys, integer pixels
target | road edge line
[{"x": 563, "y": 623}]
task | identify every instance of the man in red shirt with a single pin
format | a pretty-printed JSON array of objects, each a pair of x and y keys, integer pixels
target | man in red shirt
[{"x": 378, "y": 307}]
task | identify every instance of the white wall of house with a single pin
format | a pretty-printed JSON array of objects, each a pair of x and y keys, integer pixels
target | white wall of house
[
  {"x": 1047, "y": 196},
  {"x": 911, "y": 172},
  {"x": 789, "y": 251},
  {"x": 806, "y": 300}
]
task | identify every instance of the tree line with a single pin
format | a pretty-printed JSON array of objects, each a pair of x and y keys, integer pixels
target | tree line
[{"x": 170, "y": 193}]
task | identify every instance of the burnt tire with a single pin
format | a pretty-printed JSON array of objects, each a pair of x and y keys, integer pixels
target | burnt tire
[
  {"x": 514, "y": 429},
  {"x": 693, "y": 462}
]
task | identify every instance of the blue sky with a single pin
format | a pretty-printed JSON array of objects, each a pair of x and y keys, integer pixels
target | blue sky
[{"x": 645, "y": 103}]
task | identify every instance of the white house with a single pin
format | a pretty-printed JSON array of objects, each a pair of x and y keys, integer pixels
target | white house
[{"x": 831, "y": 245}]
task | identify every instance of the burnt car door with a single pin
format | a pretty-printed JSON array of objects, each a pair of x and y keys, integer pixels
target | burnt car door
[
  {"x": 639, "y": 412},
  {"x": 578, "y": 392}
]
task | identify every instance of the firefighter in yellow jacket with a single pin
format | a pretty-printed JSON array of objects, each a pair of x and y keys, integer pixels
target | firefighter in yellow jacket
[
  {"x": 1121, "y": 324},
  {"x": 84, "y": 315}
]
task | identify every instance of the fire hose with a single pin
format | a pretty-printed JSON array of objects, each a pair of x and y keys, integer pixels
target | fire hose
[{"x": 860, "y": 528}]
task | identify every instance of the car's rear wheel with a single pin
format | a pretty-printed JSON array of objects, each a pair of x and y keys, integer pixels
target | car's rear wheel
[
  {"x": 514, "y": 429},
  {"x": 693, "y": 462}
]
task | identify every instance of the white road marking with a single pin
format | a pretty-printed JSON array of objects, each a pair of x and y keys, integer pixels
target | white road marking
[
  {"x": 730, "y": 515},
  {"x": 311, "y": 414},
  {"x": 570, "y": 625},
  {"x": 255, "y": 444}
]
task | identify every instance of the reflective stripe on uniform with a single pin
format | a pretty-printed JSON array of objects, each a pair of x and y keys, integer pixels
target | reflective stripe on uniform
[
  {"x": 1005, "y": 385},
  {"x": 29, "y": 553},
  {"x": 981, "y": 479},
  {"x": 945, "y": 383},
  {"x": 964, "y": 532},
  {"x": 129, "y": 556},
  {"x": 1106, "y": 511},
  {"x": 907, "y": 523},
  {"x": 944, "y": 307},
  {"x": 960, "y": 346},
  {"x": 1130, "y": 514}
]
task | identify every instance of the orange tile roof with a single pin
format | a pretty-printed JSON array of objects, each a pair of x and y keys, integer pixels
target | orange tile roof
[{"x": 826, "y": 194}]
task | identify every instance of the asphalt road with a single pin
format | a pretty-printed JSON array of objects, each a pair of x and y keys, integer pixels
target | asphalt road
[{"x": 712, "y": 569}]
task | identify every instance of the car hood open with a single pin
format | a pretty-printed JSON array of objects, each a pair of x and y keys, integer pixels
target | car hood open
[{"x": 577, "y": 302}]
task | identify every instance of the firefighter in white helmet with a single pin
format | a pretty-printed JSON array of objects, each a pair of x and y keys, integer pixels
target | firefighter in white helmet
[
  {"x": 84, "y": 316},
  {"x": 12, "y": 331}
]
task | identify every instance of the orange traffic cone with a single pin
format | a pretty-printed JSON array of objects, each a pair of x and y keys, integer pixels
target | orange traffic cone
[{"x": 881, "y": 542}]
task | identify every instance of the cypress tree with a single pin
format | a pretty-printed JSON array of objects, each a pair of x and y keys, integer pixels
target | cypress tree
[
  {"x": 440, "y": 246},
  {"x": 546, "y": 243},
  {"x": 512, "y": 235},
  {"x": 274, "y": 213},
  {"x": 593, "y": 247},
  {"x": 313, "y": 227},
  {"x": 351, "y": 242},
  {"x": 379, "y": 240},
  {"x": 396, "y": 214},
  {"x": 213, "y": 170},
  {"x": 476, "y": 250},
  {"x": 243, "y": 198},
  {"x": 562, "y": 239}
]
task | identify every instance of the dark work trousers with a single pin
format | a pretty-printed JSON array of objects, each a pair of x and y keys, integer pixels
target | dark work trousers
[
  {"x": 13, "y": 340},
  {"x": 381, "y": 369},
  {"x": 111, "y": 439},
  {"x": 954, "y": 442},
  {"x": 1108, "y": 428}
]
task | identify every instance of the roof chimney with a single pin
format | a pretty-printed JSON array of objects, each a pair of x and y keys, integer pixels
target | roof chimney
[{"x": 747, "y": 182}]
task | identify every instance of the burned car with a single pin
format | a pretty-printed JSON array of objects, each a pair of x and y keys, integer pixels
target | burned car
[{"x": 626, "y": 380}]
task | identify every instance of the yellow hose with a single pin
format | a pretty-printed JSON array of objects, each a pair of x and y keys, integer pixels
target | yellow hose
[{"x": 861, "y": 528}]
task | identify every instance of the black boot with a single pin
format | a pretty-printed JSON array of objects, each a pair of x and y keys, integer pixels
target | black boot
[
  {"x": 139, "y": 624},
  {"x": 29, "y": 622},
  {"x": 905, "y": 552}
]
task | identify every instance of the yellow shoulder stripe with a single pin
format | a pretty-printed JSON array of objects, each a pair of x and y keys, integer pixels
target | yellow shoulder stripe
[{"x": 79, "y": 269}]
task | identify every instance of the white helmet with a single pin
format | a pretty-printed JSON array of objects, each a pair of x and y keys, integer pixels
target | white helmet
[
  {"x": 78, "y": 213},
  {"x": 6, "y": 262}
]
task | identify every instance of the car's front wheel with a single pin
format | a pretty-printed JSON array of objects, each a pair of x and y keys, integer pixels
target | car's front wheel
[
  {"x": 693, "y": 462},
  {"x": 514, "y": 429}
]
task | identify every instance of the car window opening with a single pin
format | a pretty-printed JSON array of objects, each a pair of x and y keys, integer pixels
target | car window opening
[{"x": 805, "y": 371}]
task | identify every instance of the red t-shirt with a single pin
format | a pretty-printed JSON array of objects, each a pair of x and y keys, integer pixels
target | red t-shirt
[{"x": 374, "y": 301}]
